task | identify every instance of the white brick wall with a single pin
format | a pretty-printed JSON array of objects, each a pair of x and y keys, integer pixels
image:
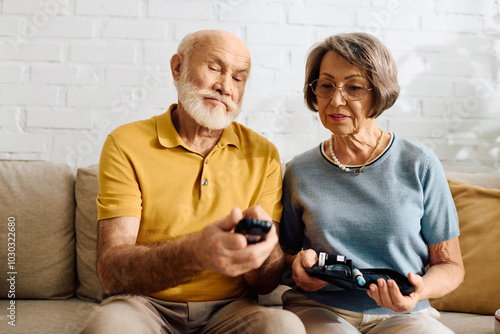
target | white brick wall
[
  {"x": 19, "y": 48},
  {"x": 11, "y": 74},
  {"x": 72, "y": 70},
  {"x": 28, "y": 96},
  {"x": 58, "y": 119},
  {"x": 184, "y": 10},
  {"x": 127, "y": 29},
  {"x": 124, "y": 8},
  {"x": 116, "y": 54}
]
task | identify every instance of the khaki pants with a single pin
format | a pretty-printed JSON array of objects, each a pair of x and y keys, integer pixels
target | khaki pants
[
  {"x": 137, "y": 314},
  {"x": 320, "y": 319}
]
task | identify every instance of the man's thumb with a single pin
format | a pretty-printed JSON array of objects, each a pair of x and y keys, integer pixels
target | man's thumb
[{"x": 229, "y": 222}]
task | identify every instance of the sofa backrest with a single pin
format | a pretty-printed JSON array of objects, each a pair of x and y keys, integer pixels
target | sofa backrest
[
  {"x": 37, "y": 234},
  {"x": 86, "y": 189},
  {"x": 477, "y": 200},
  {"x": 485, "y": 180}
]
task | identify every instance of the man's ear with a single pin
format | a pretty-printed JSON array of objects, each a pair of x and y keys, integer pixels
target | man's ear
[{"x": 176, "y": 66}]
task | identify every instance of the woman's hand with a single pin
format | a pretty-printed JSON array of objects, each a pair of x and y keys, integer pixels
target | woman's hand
[
  {"x": 388, "y": 295},
  {"x": 306, "y": 259},
  {"x": 445, "y": 274}
]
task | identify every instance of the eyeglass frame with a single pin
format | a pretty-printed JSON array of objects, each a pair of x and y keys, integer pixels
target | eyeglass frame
[{"x": 341, "y": 90}]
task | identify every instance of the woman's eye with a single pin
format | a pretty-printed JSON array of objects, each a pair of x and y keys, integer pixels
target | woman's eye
[
  {"x": 354, "y": 88},
  {"x": 326, "y": 85}
]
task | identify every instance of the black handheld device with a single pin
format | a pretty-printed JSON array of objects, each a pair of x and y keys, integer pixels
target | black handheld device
[
  {"x": 337, "y": 270},
  {"x": 255, "y": 230}
]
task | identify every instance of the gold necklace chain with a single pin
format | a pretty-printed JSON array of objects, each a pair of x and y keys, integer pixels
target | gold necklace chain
[{"x": 356, "y": 171}]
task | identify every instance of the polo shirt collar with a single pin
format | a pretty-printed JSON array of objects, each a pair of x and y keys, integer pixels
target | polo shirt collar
[{"x": 169, "y": 137}]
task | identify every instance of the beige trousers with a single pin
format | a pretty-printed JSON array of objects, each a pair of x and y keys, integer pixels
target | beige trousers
[
  {"x": 137, "y": 314},
  {"x": 321, "y": 319}
]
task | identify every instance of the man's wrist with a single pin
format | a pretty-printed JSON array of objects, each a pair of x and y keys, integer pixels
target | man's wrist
[{"x": 193, "y": 257}]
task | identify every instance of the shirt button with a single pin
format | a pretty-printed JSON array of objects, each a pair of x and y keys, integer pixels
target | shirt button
[{"x": 204, "y": 182}]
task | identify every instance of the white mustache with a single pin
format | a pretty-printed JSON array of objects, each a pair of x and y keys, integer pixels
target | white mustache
[{"x": 230, "y": 105}]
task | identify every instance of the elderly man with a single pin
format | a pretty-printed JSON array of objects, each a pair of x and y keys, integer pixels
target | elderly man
[{"x": 171, "y": 191}]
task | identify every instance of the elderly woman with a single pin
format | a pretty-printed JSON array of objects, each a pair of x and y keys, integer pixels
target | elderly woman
[{"x": 376, "y": 198}]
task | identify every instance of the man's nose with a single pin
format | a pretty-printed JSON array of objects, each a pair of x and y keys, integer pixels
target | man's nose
[{"x": 223, "y": 85}]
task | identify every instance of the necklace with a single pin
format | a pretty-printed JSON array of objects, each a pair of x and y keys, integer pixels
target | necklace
[{"x": 355, "y": 171}]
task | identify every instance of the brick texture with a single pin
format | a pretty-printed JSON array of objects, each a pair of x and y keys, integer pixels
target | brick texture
[{"x": 72, "y": 70}]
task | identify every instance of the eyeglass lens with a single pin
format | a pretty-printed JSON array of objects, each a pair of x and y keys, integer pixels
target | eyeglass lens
[{"x": 351, "y": 90}]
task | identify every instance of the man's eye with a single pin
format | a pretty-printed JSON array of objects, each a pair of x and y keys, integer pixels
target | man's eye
[
  {"x": 213, "y": 68},
  {"x": 236, "y": 79}
]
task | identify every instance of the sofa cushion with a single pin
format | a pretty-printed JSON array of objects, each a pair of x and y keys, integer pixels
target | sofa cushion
[
  {"x": 479, "y": 218},
  {"x": 86, "y": 189},
  {"x": 467, "y": 323},
  {"x": 47, "y": 316},
  {"x": 39, "y": 198}
]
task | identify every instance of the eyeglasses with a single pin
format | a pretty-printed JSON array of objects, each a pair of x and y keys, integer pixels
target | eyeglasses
[{"x": 350, "y": 91}]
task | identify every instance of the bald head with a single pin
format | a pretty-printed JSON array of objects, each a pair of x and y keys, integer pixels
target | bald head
[{"x": 203, "y": 39}]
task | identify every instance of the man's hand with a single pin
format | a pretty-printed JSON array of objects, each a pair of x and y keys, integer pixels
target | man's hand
[
  {"x": 306, "y": 259},
  {"x": 227, "y": 253},
  {"x": 388, "y": 295}
]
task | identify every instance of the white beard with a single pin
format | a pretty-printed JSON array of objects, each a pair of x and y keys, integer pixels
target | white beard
[{"x": 216, "y": 118}]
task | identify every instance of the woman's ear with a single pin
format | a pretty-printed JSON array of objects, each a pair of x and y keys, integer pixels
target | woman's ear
[{"x": 176, "y": 66}]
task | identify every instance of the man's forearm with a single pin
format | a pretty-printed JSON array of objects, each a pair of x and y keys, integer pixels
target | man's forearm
[
  {"x": 144, "y": 269},
  {"x": 264, "y": 279}
]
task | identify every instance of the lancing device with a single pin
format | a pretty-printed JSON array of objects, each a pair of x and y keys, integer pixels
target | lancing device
[
  {"x": 358, "y": 276},
  {"x": 325, "y": 259}
]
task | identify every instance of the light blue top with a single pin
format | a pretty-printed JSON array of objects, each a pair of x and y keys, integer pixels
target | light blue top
[{"x": 383, "y": 218}]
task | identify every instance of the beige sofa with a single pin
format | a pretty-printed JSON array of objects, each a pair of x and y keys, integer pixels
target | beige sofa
[{"x": 48, "y": 281}]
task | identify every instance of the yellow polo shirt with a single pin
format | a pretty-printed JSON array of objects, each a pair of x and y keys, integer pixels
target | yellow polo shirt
[{"x": 147, "y": 171}]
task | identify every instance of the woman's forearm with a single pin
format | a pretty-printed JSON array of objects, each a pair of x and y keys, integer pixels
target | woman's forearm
[{"x": 446, "y": 272}]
